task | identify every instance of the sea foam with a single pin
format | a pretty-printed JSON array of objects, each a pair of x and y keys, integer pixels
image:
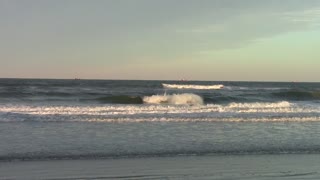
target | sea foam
[
  {"x": 192, "y": 86},
  {"x": 233, "y": 112},
  {"x": 185, "y": 98}
]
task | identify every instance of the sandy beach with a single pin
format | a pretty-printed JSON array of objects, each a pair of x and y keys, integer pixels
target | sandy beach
[{"x": 282, "y": 166}]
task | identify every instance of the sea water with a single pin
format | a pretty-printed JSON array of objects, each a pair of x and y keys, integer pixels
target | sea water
[{"x": 98, "y": 119}]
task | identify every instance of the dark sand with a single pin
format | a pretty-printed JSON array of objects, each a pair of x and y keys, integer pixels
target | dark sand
[{"x": 257, "y": 167}]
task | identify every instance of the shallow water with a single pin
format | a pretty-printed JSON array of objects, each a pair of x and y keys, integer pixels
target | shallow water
[{"x": 258, "y": 167}]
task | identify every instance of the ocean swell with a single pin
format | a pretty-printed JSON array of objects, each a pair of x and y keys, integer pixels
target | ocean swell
[
  {"x": 121, "y": 99},
  {"x": 298, "y": 95}
]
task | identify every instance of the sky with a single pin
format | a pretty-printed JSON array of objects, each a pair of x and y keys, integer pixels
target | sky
[{"x": 214, "y": 40}]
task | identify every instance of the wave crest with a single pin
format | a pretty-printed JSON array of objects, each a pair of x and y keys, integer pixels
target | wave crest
[
  {"x": 186, "y": 98},
  {"x": 233, "y": 112},
  {"x": 191, "y": 86}
]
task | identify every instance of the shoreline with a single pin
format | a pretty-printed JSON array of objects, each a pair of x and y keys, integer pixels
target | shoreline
[{"x": 266, "y": 166}]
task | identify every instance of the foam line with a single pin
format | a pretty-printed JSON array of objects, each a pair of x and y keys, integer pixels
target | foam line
[
  {"x": 190, "y": 86},
  {"x": 277, "y": 111}
]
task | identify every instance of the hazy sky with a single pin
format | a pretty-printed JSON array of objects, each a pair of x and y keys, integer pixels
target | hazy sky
[{"x": 254, "y": 40}]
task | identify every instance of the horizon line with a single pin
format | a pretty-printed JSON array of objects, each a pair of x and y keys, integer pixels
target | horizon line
[{"x": 181, "y": 80}]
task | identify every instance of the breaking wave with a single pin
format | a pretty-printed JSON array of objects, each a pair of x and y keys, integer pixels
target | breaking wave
[
  {"x": 233, "y": 112},
  {"x": 177, "y": 99},
  {"x": 185, "y": 98},
  {"x": 191, "y": 86}
]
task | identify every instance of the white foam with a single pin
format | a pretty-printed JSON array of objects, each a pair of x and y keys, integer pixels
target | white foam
[
  {"x": 185, "y": 98},
  {"x": 281, "y": 104},
  {"x": 278, "y": 111},
  {"x": 239, "y": 120},
  {"x": 254, "y": 88},
  {"x": 191, "y": 86}
]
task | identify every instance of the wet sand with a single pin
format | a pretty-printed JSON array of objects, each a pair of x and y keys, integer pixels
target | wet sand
[{"x": 282, "y": 166}]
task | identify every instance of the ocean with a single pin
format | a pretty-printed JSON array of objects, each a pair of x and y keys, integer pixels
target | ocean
[{"x": 46, "y": 120}]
